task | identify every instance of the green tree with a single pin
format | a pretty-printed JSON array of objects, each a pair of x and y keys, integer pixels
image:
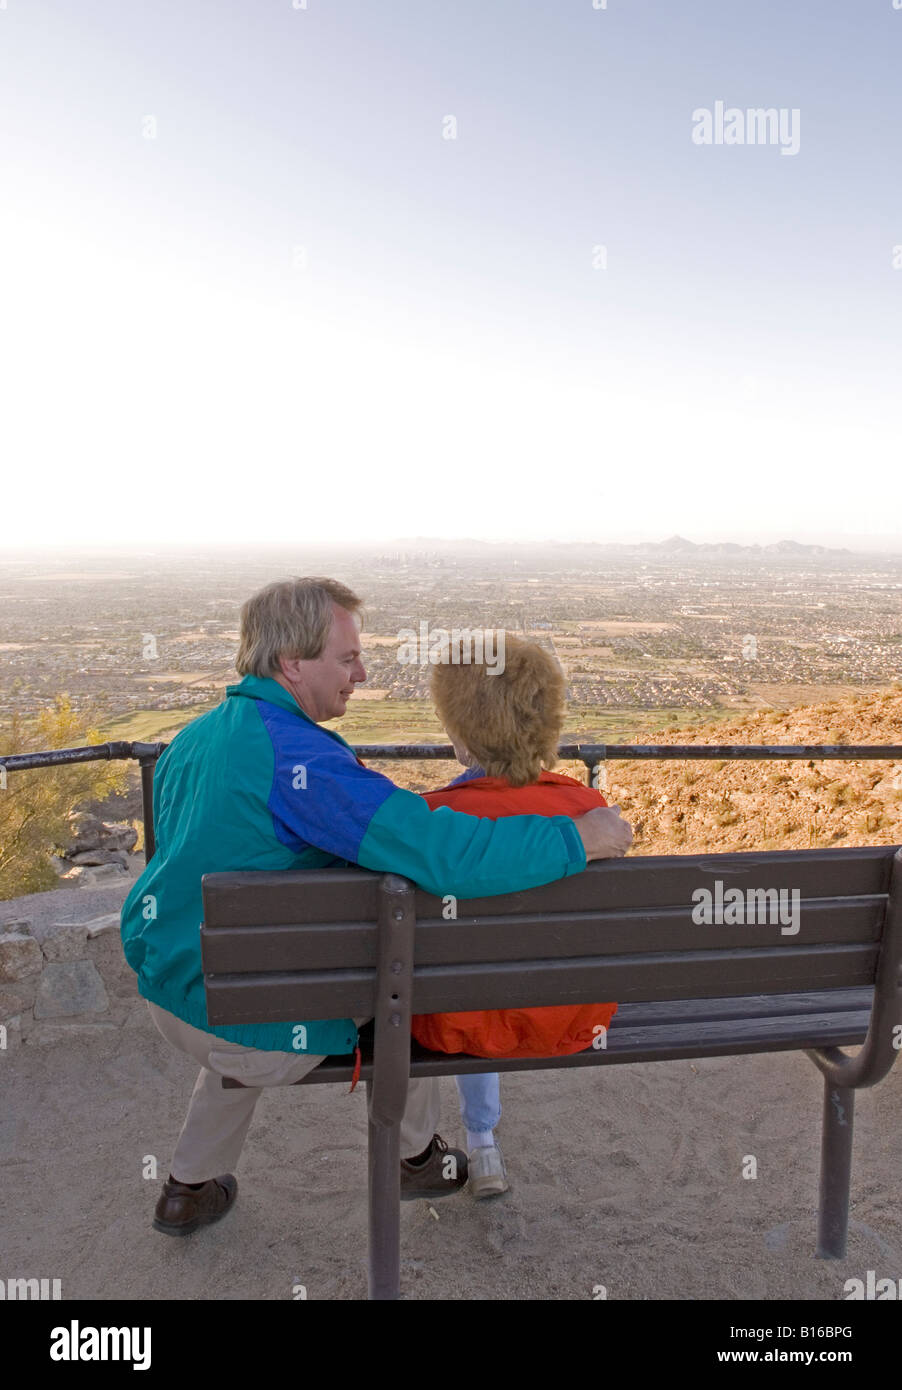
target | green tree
[{"x": 35, "y": 805}]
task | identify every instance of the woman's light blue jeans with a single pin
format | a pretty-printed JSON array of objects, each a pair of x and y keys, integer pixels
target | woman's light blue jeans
[{"x": 480, "y": 1100}]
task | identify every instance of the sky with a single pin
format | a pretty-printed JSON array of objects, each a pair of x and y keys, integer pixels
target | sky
[{"x": 345, "y": 270}]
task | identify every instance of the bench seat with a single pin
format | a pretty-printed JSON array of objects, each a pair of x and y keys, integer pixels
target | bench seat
[{"x": 664, "y": 1030}]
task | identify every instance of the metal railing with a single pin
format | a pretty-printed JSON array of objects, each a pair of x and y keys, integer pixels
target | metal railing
[{"x": 593, "y": 755}]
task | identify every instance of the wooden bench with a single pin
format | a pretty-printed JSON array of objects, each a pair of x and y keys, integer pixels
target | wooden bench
[{"x": 338, "y": 943}]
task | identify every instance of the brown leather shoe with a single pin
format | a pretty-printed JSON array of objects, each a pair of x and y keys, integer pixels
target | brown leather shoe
[
  {"x": 443, "y": 1172},
  {"x": 181, "y": 1209}
]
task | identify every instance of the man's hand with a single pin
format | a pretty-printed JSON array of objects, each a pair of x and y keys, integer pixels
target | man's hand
[{"x": 604, "y": 833}]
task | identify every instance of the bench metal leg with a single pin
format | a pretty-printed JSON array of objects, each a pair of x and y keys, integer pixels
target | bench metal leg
[
  {"x": 836, "y": 1171},
  {"x": 384, "y": 1163}
]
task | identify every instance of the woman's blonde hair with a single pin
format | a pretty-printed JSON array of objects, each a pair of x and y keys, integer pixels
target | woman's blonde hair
[
  {"x": 510, "y": 722},
  {"x": 292, "y": 617}
]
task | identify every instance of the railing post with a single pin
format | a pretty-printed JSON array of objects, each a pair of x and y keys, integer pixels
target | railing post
[{"x": 147, "y": 770}]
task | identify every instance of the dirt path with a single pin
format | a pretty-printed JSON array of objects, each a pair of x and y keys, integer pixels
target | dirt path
[{"x": 628, "y": 1177}]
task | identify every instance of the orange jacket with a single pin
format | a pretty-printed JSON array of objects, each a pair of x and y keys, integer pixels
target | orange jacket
[{"x": 553, "y": 1031}]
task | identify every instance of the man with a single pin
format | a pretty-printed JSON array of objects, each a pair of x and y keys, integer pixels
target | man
[{"x": 257, "y": 784}]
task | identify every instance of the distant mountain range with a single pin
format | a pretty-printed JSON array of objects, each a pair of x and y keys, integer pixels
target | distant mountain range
[
  {"x": 674, "y": 545},
  {"x": 679, "y": 545}
]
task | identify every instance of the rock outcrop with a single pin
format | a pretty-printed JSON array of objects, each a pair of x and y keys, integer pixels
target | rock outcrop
[{"x": 97, "y": 852}]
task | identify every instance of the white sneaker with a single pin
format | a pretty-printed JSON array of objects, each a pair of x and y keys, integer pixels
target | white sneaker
[{"x": 487, "y": 1173}]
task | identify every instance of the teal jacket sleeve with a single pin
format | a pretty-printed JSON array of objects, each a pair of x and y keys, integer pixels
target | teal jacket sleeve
[{"x": 450, "y": 852}]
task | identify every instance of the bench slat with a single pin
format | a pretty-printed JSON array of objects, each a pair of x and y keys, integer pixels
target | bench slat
[
  {"x": 610, "y": 933},
  {"x": 664, "y": 881},
  {"x": 289, "y": 995},
  {"x": 688, "y": 974},
  {"x": 351, "y": 894},
  {"x": 659, "y": 1011},
  {"x": 326, "y": 895},
  {"x": 313, "y": 946},
  {"x": 675, "y": 1042},
  {"x": 234, "y": 949}
]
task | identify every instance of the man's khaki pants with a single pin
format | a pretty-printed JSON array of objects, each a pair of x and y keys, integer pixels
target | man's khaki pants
[{"x": 218, "y": 1119}]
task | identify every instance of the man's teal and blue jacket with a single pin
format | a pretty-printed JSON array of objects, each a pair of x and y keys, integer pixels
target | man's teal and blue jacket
[{"x": 256, "y": 784}]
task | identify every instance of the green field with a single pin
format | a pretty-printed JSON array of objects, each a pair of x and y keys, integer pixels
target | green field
[
  {"x": 147, "y": 725},
  {"x": 389, "y": 721},
  {"x": 414, "y": 721},
  {"x": 624, "y": 725}
]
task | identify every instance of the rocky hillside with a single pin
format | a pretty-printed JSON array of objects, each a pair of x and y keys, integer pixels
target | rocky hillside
[{"x": 689, "y": 808}]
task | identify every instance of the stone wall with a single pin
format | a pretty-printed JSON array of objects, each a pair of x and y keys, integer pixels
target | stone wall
[{"x": 62, "y": 969}]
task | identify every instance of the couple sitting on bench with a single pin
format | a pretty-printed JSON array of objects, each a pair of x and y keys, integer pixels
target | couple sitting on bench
[{"x": 259, "y": 784}]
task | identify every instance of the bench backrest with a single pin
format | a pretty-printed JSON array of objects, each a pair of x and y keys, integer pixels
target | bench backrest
[{"x": 283, "y": 946}]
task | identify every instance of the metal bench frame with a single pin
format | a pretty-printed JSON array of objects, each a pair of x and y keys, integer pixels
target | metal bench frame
[{"x": 337, "y": 943}]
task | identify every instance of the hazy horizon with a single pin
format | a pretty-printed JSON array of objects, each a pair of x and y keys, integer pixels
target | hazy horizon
[{"x": 890, "y": 545}]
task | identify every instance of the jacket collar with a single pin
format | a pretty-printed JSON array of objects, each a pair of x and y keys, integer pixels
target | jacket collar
[
  {"x": 265, "y": 688},
  {"x": 468, "y": 776}
]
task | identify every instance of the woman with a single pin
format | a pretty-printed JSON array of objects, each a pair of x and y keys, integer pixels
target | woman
[{"x": 505, "y": 727}]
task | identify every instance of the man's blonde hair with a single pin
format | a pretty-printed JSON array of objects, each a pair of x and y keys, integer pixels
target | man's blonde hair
[
  {"x": 293, "y": 618},
  {"x": 511, "y": 722}
]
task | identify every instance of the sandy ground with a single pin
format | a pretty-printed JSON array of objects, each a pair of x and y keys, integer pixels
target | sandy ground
[{"x": 627, "y": 1177}]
